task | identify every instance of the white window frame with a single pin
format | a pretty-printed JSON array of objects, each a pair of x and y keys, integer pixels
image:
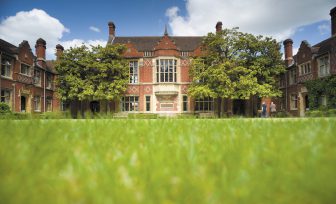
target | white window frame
[
  {"x": 49, "y": 104},
  {"x": 292, "y": 76},
  {"x": 305, "y": 68},
  {"x": 323, "y": 66},
  {"x": 134, "y": 72},
  {"x": 185, "y": 103},
  {"x": 166, "y": 70},
  {"x": 148, "y": 102},
  {"x": 293, "y": 101},
  {"x": 37, "y": 79},
  {"x": 49, "y": 81},
  {"x": 204, "y": 105},
  {"x": 28, "y": 73},
  {"x": 5, "y": 96},
  {"x": 129, "y": 105},
  {"x": 7, "y": 66},
  {"x": 37, "y": 103},
  {"x": 148, "y": 54}
]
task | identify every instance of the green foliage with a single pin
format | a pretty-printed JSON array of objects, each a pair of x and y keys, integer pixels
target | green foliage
[
  {"x": 322, "y": 87},
  {"x": 96, "y": 73},
  {"x": 168, "y": 161},
  {"x": 321, "y": 112},
  {"x": 4, "y": 108},
  {"x": 236, "y": 65}
]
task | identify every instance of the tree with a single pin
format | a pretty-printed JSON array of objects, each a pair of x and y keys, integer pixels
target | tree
[
  {"x": 236, "y": 65},
  {"x": 99, "y": 73}
]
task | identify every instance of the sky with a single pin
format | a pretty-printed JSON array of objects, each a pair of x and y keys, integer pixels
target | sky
[{"x": 74, "y": 22}]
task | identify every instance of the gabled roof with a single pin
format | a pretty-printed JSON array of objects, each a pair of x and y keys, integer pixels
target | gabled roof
[
  {"x": 8, "y": 48},
  {"x": 324, "y": 46},
  {"x": 183, "y": 43}
]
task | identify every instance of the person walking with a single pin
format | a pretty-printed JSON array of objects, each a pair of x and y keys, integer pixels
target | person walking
[
  {"x": 263, "y": 109},
  {"x": 273, "y": 109}
]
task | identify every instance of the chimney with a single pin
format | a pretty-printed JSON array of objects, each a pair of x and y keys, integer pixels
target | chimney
[
  {"x": 219, "y": 26},
  {"x": 59, "y": 51},
  {"x": 288, "y": 44},
  {"x": 111, "y": 28},
  {"x": 333, "y": 21},
  {"x": 40, "y": 49}
]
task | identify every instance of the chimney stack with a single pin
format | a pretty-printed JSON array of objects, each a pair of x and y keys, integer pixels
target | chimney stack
[
  {"x": 333, "y": 21},
  {"x": 59, "y": 51},
  {"x": 219, "y": 26},
  {"x": 111, "y": 28},
  {"x": 288, "y": 44},
  {"x": 40, "y": 50}
]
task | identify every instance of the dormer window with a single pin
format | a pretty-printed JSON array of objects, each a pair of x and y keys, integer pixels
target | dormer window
[
  {"x": 184, "y": 54},
  {"x": 148, "y": 54}
]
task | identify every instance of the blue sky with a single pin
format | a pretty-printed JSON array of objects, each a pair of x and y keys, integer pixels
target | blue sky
[{"x": 68, "y": 22}]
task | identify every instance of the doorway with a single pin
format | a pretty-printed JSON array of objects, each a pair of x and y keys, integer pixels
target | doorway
[
  {"x": 23, "y": 104},
  {"x": 95, "y": 106},
  {"x": 239, "y": 107}
]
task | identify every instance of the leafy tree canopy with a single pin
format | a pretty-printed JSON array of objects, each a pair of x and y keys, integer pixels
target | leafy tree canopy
[
  {"x": 97, "y": 72},
  {"x": 236, "y": 65}
]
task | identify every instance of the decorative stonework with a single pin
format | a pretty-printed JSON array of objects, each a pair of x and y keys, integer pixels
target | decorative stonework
[
  {"x": 184, "y": 89},
  {"x": 133, "y": 90},
  {"x": 148, "y": 89},
  {"x": 185, "y": 62},
  {"x": 25, "y": 79},
  {"x": 147, "y": 62}
]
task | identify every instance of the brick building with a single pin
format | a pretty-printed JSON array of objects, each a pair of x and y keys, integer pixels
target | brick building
[
  {"x": 309, "y": 63},
  {"x": 159, "y": 73},
  {"x": 26, "y": 80},
  {"x": 159, "y": 77}
]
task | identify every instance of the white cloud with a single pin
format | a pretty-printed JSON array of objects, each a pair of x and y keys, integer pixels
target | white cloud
[
  {"x": 80, "y": 42},
  {"x": 279, "y": 19},
  {"x": 31, "y": 25},
  {"x": 324, "y": 29},
  {"x": 34, "y": 24},
  {"x": 95, "y": 29}
]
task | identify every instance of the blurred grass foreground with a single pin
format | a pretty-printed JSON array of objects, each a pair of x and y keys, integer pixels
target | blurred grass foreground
[{"x": 168, "y": 161}]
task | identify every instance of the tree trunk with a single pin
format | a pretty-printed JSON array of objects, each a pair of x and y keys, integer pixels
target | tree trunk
[{"x": 219, "y": 106}]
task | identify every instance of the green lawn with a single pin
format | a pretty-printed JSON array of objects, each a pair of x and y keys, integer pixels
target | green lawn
[{"x": 168, "y": 161}]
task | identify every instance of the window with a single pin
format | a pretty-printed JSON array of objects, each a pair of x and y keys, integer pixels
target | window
[
  {"x": 323, "y": 101},
  {"x": 37, "y": 77},
  {"x": 148, "y": 54},
  {"x": 25, "y": 69},
  {"x": 49, "y": 104},
  {"x": 6, "y": 68},
  {"x": 323, "y": 66},
  {"x": 184, "y": 54},
  {"x": 148, "y": 102},
  {"x": 185, "y": 103},
  {"x": 292, "y": 76},
  {"x": 205, "y": 104},
  {"x": 293, "y": 101},
  {"x": 130, "y": 103},
  {"x": 304, "y": 69},
  {"x": 5, "y": 96},
  {"x": 64, "y": 105},
  {"x": 133, "y": 72},
  {"x": 49, "y": 81},
  {"x": 37, "y": 103},
  {"x": 166, "y": 70}
]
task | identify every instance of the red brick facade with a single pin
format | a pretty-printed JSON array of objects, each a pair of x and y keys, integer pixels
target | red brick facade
[
  {"x": 27, "y": 82},
  {"x": 309, "y": 63}
]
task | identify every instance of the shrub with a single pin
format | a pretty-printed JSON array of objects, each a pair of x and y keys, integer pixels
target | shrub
[{"x": 4, "y": 108}]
